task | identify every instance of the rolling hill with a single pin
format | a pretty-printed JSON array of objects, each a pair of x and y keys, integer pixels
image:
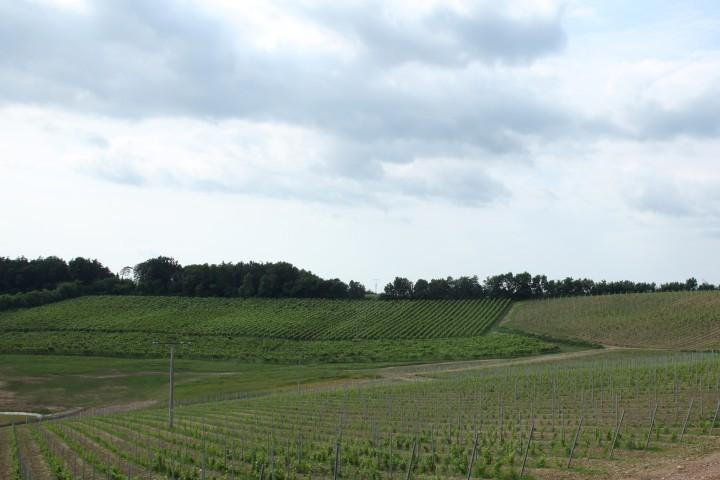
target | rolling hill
[{"x": 677, "y": 320}]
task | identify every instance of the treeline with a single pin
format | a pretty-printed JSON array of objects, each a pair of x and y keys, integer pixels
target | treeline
[
  {"x": 22, "y": 275},
  {"x": 31, "y": 283},
  {"x": 165, "y": 276},
  {"x": 524, "y": 286},
  {"x": 27, "y": 283}
]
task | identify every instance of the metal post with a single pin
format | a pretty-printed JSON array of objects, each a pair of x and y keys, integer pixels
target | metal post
[
  {"x": 712, "y": 425},
  {"x": 577, "y": 434},
  {"x": 652, "y": 424},
  {"x": 171, "y": 400},
  {"x": 472, "y": 457},
  {"x": 687, "y": 417},
  {"x": 412, "y": 458},
  {"x": 617, "y": 432},
  {"x": 527, "y": 450}
]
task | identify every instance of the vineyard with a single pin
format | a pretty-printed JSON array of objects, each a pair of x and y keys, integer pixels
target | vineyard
[
  {"x": 263, "y": 330},
  {"x": 292, "y": 319},
  {"x": 679, "y": 320},
  {"x": 141, "y": 345},
  {"x": 575, "y": 420}
]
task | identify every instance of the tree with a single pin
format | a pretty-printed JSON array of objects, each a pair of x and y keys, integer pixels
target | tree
[
  {"x": 403, "y": 287},
  {"x": 269, "y": 286},
  {"x": 158, "y": 276},
  {"x": 356, "y": 290},
  {"x": 87, "y": 271},
  {"x": 421, "y": 289},
  {"x": 247, "y": 289}
]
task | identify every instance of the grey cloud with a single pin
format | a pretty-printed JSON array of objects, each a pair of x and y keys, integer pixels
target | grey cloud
[
  {"x": 676, "y": 198},
  {"x": 445, "y": 37},
  {"x": 458, "y": 186},
  {"x": 699, "y": 117},
  {"x": 137, "y": 59}
]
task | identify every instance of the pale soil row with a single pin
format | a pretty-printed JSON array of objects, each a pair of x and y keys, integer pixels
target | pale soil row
[
  {"x": 81, "y": 469},
  {"x": 32, "y": 456},
  {"x": 5, "y": 467}
]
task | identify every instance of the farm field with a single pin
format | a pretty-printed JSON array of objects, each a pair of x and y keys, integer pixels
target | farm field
[
  {"x": 293, "y": 319},
  {"x": 677, "y": 320},
  {"x": 571, "y": 419}
]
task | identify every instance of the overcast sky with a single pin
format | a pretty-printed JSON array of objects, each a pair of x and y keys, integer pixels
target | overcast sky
[{"x": 365, "y": 140}]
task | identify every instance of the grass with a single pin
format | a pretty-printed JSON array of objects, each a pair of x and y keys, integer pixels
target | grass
[
  {"x": 44, "y": 384},
  {"x": 294, "y": 319},
  {"x": 677, "y": 320}
]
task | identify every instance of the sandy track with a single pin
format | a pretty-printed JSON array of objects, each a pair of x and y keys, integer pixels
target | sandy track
[
  {"x": 704, "y": 467},
  {"x": 415, "y": 372}
]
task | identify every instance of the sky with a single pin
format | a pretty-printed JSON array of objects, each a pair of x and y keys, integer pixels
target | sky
[{"x": 366, "y": 139}]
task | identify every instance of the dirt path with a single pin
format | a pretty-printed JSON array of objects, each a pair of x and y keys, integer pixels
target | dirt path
[
  {"x": 705, "y": 467},
  {"x": 416, "y": 372}
]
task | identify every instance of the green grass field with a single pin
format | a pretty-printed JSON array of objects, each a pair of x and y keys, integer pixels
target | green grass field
[
  {"x": 679, "y": 321},
  {"x": 51, "y": 383}
]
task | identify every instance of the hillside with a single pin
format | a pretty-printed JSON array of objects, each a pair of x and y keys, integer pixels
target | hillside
[
  {"x": 281, "y": 330},
  {"x": 678, "y": 320},
  {"x": 295, "y": 319}
]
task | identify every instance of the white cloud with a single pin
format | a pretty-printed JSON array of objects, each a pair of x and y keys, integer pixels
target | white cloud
[{"x": 566, "y": 137}]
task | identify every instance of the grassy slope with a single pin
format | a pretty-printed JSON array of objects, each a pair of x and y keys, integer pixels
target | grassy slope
[
  {"x": 680, "y": 321},
  {"x": 298, "y": 319}
]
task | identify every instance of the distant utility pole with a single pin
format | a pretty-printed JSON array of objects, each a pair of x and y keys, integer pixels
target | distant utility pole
[
  {"x": 376, "y": 280},
  {"x": 171, "y": 400}
]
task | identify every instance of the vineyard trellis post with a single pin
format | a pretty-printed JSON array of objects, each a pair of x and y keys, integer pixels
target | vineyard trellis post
[
  {"x": 687, "y": 417},
  {"x": 652, "y": 424},
  {"x": 617, "y": 433},
  {"x": 412, "y": 457},
  {"x": 527, "y": 449},
  {"x": 712, "y": 425},
  {"x": 577, "y": 435},
  {"x": 472, "y": 457},
  {"x": 171, "y": 397}
]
